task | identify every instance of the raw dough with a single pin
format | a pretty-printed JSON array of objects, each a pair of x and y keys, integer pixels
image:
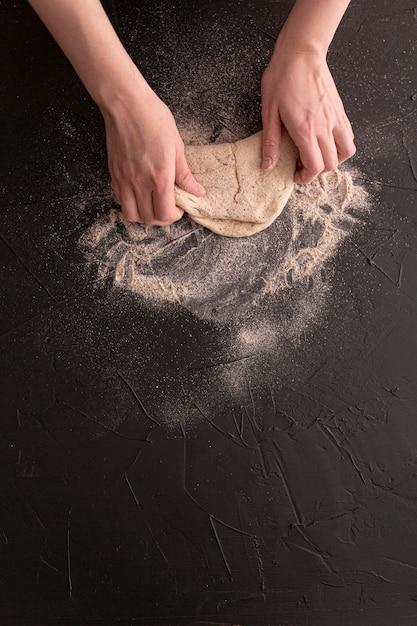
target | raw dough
[{"x": 241, "y": 199}]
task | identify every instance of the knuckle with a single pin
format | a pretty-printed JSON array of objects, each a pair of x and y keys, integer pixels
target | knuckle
[
  {"x": 159, "y": 178},
  {"x": 305, "y": 131}
]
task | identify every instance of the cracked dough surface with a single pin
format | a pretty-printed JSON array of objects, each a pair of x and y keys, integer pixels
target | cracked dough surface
[{"x": 241, "y": 199}]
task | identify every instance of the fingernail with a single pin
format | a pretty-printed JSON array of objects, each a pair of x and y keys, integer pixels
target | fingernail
[{"x": 267, "y": 164}]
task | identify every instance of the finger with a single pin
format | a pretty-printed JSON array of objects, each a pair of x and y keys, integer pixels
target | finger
[
  {"x": 344, "y": 141},
  {"x": 144, "y": 203},
  {"x": 311, "y": 160},
  {"x": 271, "y": 138},
  {"x": 185, "y": 179},
  {"x": 329, "y": 153},
  {"x": 129, "y": 205},
  {"x": 164, "y": 209}
]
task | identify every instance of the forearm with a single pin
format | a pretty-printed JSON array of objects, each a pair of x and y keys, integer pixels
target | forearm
[
  {"x": 86, "y": 36},
  {"x": 311, "y": 25}
]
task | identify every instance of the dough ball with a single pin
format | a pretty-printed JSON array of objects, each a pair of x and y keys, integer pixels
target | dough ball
[{"x": 241, "y": 198}]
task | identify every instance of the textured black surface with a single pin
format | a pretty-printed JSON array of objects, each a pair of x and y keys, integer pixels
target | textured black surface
[{"x": 138, "y": 485}]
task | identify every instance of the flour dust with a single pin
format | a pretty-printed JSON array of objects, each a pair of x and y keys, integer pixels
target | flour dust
[{"x": 219, "y": 278}]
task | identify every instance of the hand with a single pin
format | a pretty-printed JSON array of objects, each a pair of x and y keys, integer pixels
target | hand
[
  {"x": 146, "y": 158},
  {"x": 298, "y": 92}
]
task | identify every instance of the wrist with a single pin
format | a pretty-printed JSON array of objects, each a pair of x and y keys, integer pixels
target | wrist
[
  {"x": 310, "y": 26},
  {"x": 293, "y": 40},
  {"x": 123, "y": 91}
]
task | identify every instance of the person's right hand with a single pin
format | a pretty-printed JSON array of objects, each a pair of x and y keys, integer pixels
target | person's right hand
[
  {"x": 298, "y": 92},
  {"x": 146, "y": 159}
]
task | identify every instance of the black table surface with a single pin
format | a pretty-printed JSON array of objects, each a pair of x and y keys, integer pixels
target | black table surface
[{"x": 149, "y": 474}]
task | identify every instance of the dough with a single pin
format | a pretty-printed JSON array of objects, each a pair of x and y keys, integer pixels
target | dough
[{"x": 241, "y": 199}]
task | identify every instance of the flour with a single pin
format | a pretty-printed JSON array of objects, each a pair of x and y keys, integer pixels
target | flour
[{"x": 218, "y": 278}]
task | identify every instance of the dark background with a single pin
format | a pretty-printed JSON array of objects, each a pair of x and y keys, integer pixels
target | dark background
[{"x": 138, "y": 487}]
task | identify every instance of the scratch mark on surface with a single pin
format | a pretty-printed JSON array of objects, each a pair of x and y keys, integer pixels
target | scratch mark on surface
[
  {"x": 306, "y": 395},
  {"x": 314, "y": 553},
  {"x": 317, "y": 371},
  {"x": 236, "y": 530},
  {"x": 391, "y": 489},
  {"x": 411, "y": 158},
  {"x": 291, "y": 498},
  {"x": 242, "y": 419},
  {"x": 372, "y": 262},
  {"x": 231, "y": 436},
  {"x": 96, "y": 421},
  {"x": 85, "y": 196},
  {"x": 226, "y": 126},
  {"x": 219, "y": 543},
  {"x": 353, "y": 462},
  {"x": 184, "y": 467},
  {"x": 314, "y": 550},
  {"x": 200, "y": 506},
  {"x": 138, "y": 400},
  {"x": 254, "y": 418},
  {"x": 396, "y": 119},
  {"x": 374, "y": 87},
  {"x": 378, "y": 267},
  {"x": 371, "y": 181},
  {"x": 28, "y": 504},
  {"x": 266, "y": 33},
  {"x": 274, "y": 407},
  {"x": 161, "y": 552},
  {"x": 223, "y": 363},
  {"x": 147, "y": 442},
  {"x": 400, "y": 273},
  {"x": 21, "y": 261},
  {"x": 239, "y": 427},
  {"x": 339, "y": 448},
  {"x": 261, "y": 569},
  {"x": 10, "y": 330},
  {"x": 182, "y": 428},
  {"x": 388, "y": 580},
  {"x": 236, "y": 424},
  {"x": 48, "y": 564},
  {"x": 184, "y": 236},
  {"x": 401, "y": 563},
  {"x": 69, "y": 554}
]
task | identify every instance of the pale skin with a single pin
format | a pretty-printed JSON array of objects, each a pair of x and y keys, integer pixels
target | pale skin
[{"x": 145, "y": 151}]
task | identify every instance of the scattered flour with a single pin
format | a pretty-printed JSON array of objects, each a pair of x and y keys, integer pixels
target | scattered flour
[{"x": 219, "y": 278}]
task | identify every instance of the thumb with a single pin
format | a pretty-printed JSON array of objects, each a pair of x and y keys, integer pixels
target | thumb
[
  {"x": 271, "y": 144},
  {"x": 185, "y": 179}
]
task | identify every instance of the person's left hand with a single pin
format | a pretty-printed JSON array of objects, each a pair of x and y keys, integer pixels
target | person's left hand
[{"x": 298, "y": 92}]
